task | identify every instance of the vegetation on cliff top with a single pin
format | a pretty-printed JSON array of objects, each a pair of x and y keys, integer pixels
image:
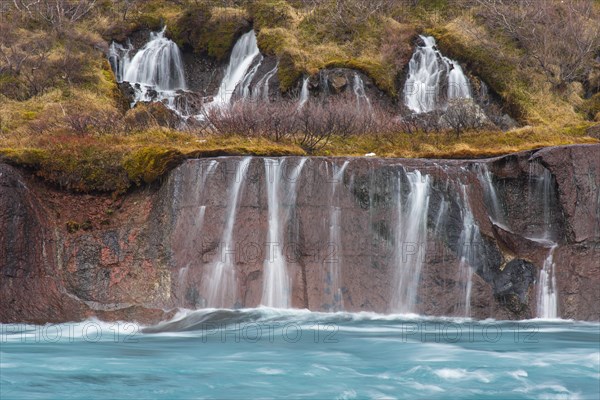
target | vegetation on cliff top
[{"x": 63, "y": 115}]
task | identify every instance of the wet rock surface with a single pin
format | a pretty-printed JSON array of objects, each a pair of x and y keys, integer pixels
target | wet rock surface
[{"x": 150, "y": 251}]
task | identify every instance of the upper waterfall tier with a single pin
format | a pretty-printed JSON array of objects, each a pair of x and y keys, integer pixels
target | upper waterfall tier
[
  {"x": 239, "y": 69},
  {"x": 433, "y": 79},
  {"x": 155, "y": 72}
]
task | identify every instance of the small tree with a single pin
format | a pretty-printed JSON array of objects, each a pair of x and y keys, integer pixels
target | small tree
[{"x": 462, "y": 115}]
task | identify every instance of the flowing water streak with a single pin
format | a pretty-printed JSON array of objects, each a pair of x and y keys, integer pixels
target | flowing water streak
[
  {"x": 359, "y": 92},
  {"x": 157, "y": 66},
  {"x": 303, "y": 94},
  {"x": 429, "y": 71},
  {"x": 440, "y": 220},
  {"x": 276, "y": 282},
  {"x": 220, "y": 285},
  {"x": 547, "y": 301},
  {"x": 204, "y": 170},
  {"x": 469, "y": 242},
  {"x": 244, "y": 86},
  {"x": 411, "y": 236},
  {"x": 118, "y": 56},
  {"x": 335, "y": 239},
  {"x": 486, "y": 179},
  {"x": 242, "y": 57},
  {"x": 262, "y": 86},
  {"x": 541, "y": 192}
]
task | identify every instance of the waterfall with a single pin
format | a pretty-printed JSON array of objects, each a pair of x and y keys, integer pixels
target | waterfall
[
  {"x": 155, "y": 72},
  {"x": 262, "y": 86},
  {"x": 303, "y": 94},
  {"x": 118, "y": 56},
  {"x": 334, "y": 278},
  {"x": 440, "y": 220},
  {"x": 220, "y": 285},
  {"x": 541, "y": 192},
  {"x": 468, "y": 246},
  {"x": 359, "y": 92},
  {"x": 547, "y": 302},
  {"x": 428, "y": 72},
  {"x": 276, "y": 281},
  {"x": 189, "y": 203},
  {"x": 324, "y": 83},
  {"x": 411, "y": 237},
  {"x": 244, "y": 86},
  {"x": 242, "y": 57},
  {"x": 491, "y": 196}
]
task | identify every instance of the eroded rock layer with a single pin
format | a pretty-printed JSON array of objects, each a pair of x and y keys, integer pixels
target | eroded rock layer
[{"x": 462, "y": 238}]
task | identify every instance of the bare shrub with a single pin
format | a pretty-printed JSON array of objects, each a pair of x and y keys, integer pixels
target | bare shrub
[
  {"x": 246, "y": 118},
  {"x": 559, "y": 37},
  {"x": 463, "y": 115},
  {"x": 55, "y": 12},
  {"x": 310, "y": 126}
]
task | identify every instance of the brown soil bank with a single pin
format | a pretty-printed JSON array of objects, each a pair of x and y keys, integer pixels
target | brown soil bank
[{"x": 68, "y": 257}]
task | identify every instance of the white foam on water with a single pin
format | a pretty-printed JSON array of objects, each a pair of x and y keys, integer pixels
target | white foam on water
[
  {"x": 270, "y": 371},
  {"x": 463, "y": 374}
]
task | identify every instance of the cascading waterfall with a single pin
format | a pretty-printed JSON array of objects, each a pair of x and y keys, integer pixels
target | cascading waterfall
[
  {"x": 118, "y": 56},
  {"x": 440, "y": 220},
  {"x": 261, "y": 90},
  {"x": 244, "y": 86},
  {"x": 323, "y": 83},
  {"x": 468, "y": 246},
  {"x": 411, "y": 237},
  {"x": 334, "y": 276},
  {"x": 276, "y": 282},
  {"x": 155, "y": 72},
  {"x": 359, "y": 92},
  {"x": 541, "y": 191},
  {"x": 486, "y": 179},
  {"x": 547, "y": 301},
  {"x": 220, "y": 285},
  {"x": 303, "y": 94},
  {"x": 189, "y": 204},
  {"x": 242, "y": 57},
  {"x": 429, "y": 71}
]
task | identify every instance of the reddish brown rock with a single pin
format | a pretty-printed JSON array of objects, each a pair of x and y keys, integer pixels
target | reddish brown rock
[
  {"x": 151, "y": 251},
  {"x": 577, "y": 173}
]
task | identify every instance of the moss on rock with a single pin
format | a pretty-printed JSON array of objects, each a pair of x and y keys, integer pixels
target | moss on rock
[
  {"x": 211, "y": 31},
  {"x": 271, "y": 13},
  {"x": 147, "y": 164}
]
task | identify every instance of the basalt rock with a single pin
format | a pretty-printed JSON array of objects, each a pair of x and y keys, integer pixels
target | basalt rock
[{"x": 154, "y": 251}]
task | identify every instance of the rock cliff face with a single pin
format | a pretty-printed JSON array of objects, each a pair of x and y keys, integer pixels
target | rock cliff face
[{"x": 385, "y": 235}]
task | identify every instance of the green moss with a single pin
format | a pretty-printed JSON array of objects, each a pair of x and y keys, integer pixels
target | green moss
[
  {"x": 591, "y": 108},
  {"x": 81, "y": 168},
  {"x": 28, "y": 157},
  {"x": 288, "y": 73},
  {"x": 72, "y": 226},
  {"x": 271, "y": 13},
  {"x": 219, "y": 41},
  {"x": 212, "y": 31},
  {"x": 500, "y": 73},
  {"x": 29, "y": 115},
  {"x": 434, "y": 5},
  {"x": 383, "y": 75},
  {"x": 149, "y": 163}
]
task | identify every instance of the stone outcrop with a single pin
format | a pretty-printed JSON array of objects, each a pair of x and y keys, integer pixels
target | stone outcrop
[{"x": 148, "y": 253}]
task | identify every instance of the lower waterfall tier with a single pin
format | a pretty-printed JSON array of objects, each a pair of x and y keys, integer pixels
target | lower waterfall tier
[{"x": 476, "y": 238}]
